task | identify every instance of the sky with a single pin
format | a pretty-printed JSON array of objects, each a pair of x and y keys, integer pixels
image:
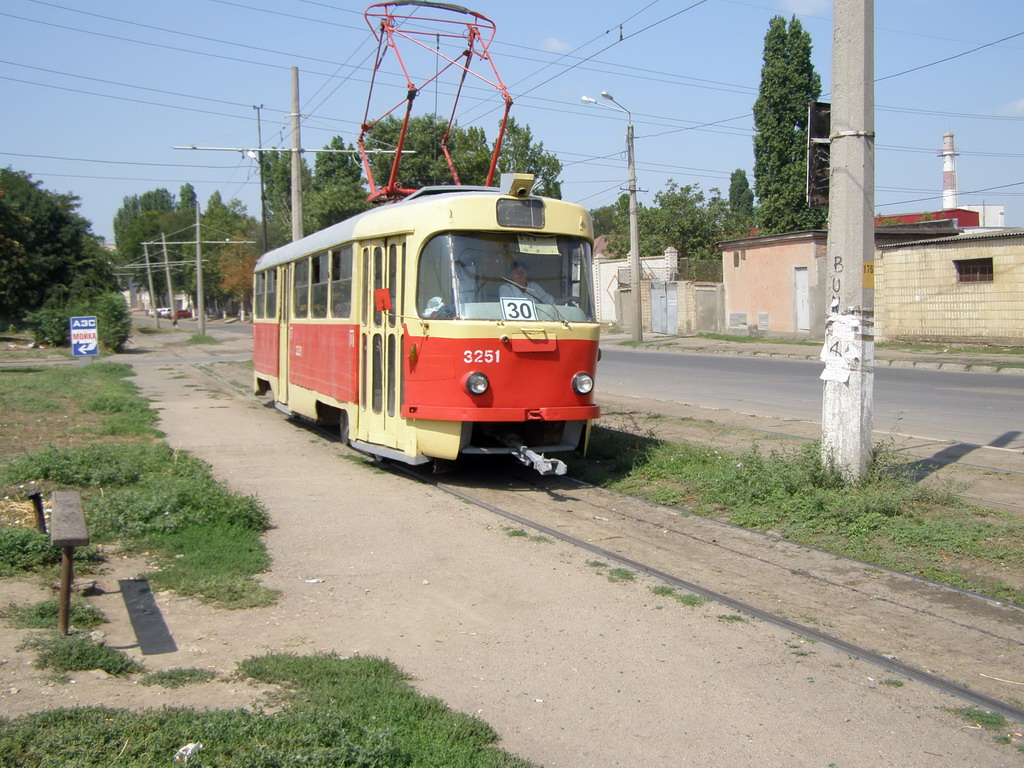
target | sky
[{"x": 97, "y": 95}]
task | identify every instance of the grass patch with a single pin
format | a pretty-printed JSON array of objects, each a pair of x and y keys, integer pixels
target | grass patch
[
  {"x": 756, "y": 340},
  {"x": 178, "y": 677},
  {"x": 43, "y": 615},
  {"x": 333, "y": 712},
  {"x": 137, "y": 493},
  {"x": 733, "y": 618},
  {"x": 213, "y": 562},
  {"x": 621, "y": 574},
  {"x": 686, "y": 598},
  {"x": 887, "y": 519},
  {"x": 519, "y": 533},
  {"x": 70, "y": 405},
  {"x": 991, "y": 721},
  {"x": 78, "y": 652},
  {"x": 202, "y": 339}
]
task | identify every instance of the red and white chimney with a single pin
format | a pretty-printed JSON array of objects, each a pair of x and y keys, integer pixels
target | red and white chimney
[{"x": 948, "y": 155}]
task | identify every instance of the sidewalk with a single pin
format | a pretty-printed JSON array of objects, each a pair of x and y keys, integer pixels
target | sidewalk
[{"x": 978, "y": 361}]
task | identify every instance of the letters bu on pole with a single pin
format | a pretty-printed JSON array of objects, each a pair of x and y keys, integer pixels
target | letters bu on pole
[{"x": 84, "y": 337}]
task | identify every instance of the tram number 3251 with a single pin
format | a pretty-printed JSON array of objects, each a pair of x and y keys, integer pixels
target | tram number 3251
[{"x": 482, "y": 356}]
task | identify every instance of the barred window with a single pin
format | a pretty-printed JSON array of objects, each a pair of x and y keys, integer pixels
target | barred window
[{"x": 974, "y": 271}]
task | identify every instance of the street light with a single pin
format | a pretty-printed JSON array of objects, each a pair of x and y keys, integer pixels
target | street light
[{"x": 634, "y": 235}]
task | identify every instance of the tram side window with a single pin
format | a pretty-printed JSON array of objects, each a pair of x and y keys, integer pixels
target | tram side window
[
  {"x": 318, "y": 292},
  {"x": 300, "y": 289},
  {"x": 341, "y": 281},
  {"x": 271, "y": 290},
  {"x": 259, "y": 294}
]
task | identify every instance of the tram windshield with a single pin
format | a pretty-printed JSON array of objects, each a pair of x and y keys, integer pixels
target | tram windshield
[{"x": 505, "y": 276}]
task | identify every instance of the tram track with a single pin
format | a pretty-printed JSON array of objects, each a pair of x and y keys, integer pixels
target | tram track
[{"x": 777, "y": 582}]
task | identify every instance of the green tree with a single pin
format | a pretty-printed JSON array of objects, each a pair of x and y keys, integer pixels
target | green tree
[
  {"x": 50, "y": 254},
  {"x": 425, "y": 165},
  {"x": 141, "y": 218},
  {"x": 277, "y": 182},
  {"x": 471, "y": 154},
  {"x": 788, "y": 83},
  {"x": 683, "y": 217},
  {"x": 740, "y": 218},
  {"x": 613, "y": 218},
  {"x": 520, "y": 154},
  {"x": 229, "y": 222},
  {"x": 337, "y": 191}
]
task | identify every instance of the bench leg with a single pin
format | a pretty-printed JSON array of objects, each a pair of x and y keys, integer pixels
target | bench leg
[{"x": 67, "y": 576}]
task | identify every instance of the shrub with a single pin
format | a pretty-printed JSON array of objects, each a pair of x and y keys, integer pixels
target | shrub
[{"x": 51, "y": 325}]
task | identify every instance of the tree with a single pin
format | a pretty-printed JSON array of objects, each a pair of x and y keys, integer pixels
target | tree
[
  {"x": 740, "y": 219},
  {"x": 48, "y": 253},
  {"x": 609, "y": 219},
  {"x": 686, "y": 219},
  {"x": 683, "y": 217},
  {"x": 519, "y": 154},
  {"x": 337, "y": 190},
  {"x": 277, "y": 182},
  {"x": 227, "y": 268},
  {"x": 471, "y": 154},
  {"x": 788, "y": 83}
]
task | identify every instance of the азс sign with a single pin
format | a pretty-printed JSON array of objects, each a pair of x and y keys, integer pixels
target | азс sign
[{"x": 84, "y": 339}]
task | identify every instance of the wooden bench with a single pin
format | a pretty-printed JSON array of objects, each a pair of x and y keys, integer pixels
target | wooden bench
[{"x": 67, "y": 531}]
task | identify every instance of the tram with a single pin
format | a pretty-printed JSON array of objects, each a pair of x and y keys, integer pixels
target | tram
[{"x": 458, "y": 320}]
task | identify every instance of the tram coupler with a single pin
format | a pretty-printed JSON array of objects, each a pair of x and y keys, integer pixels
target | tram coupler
[{"x": 536, "y": 460}]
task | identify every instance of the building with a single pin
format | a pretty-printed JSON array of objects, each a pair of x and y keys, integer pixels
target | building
[
  {"x": 775, "y": 285},
  {"x": 968, "y": 288}
]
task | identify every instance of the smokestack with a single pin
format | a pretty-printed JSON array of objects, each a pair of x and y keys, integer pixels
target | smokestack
[{"x": 948, "y": 155}]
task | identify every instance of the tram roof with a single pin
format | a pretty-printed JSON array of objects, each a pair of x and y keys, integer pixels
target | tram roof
[{"x": 376, "y": 222}]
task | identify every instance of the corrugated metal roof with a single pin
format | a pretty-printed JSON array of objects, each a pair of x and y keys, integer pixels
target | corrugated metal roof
[{"x": 966, "y": 237}]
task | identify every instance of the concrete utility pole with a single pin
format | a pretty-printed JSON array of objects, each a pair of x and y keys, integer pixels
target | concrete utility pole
[
  {"x": 849, "y": 351},
  {"x": 149, "y": 281},
  {"x": 297, "y": 229},
  {"x": 167, "y": 273},
  {"x": 200, "y": 298},
  {"x": 635, "y": 276}
]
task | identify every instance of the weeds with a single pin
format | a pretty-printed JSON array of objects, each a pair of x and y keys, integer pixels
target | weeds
[
  {"x": 77, "y": 652},
  {"x": 353, "y": 712},
  {"x": 686, "y": 598},
  {"x": 143, "y": 496},
  {"x": 178, "y": 677},
  {"x": 43, "y": 615},
  {"x": 886, "y": 519}
]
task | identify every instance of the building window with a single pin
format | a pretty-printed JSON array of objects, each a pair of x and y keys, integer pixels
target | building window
[{"x": 974, "y": 270}]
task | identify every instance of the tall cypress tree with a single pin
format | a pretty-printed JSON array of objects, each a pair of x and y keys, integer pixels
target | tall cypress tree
[{"x": 788, "y": 83}]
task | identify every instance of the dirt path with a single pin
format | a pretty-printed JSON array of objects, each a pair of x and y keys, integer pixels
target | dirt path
[{"x": 570, "y": 668}]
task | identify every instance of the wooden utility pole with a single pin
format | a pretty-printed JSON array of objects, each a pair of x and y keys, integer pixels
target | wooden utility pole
[
  {"x": 849, "y": 351},
  {"x": 297, "y": 229}
]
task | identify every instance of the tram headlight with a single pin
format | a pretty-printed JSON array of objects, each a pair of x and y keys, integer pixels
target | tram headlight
[
  {"x": 582, "y": 383},
  {"x": 477, "y": 383}
]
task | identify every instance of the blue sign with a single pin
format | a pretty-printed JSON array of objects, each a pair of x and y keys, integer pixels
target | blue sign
[{"x": 84, "y": 336}]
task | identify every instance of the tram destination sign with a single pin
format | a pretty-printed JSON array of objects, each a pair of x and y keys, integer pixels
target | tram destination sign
[{"x": 84, "y": 337}]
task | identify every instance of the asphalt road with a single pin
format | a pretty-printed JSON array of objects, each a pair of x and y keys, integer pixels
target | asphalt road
[{"x": 974, "y": 408}]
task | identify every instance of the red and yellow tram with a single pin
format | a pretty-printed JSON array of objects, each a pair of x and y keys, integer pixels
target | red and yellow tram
[{"x": 458, "y": 320}]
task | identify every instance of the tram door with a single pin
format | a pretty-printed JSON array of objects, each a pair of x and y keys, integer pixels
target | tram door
[
  {"x": 380, "y": 369},
  {"x": 280, "y": 277}
]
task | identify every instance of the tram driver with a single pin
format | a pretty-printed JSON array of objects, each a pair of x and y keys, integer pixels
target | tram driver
[{"x": 518, "y": 285}]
